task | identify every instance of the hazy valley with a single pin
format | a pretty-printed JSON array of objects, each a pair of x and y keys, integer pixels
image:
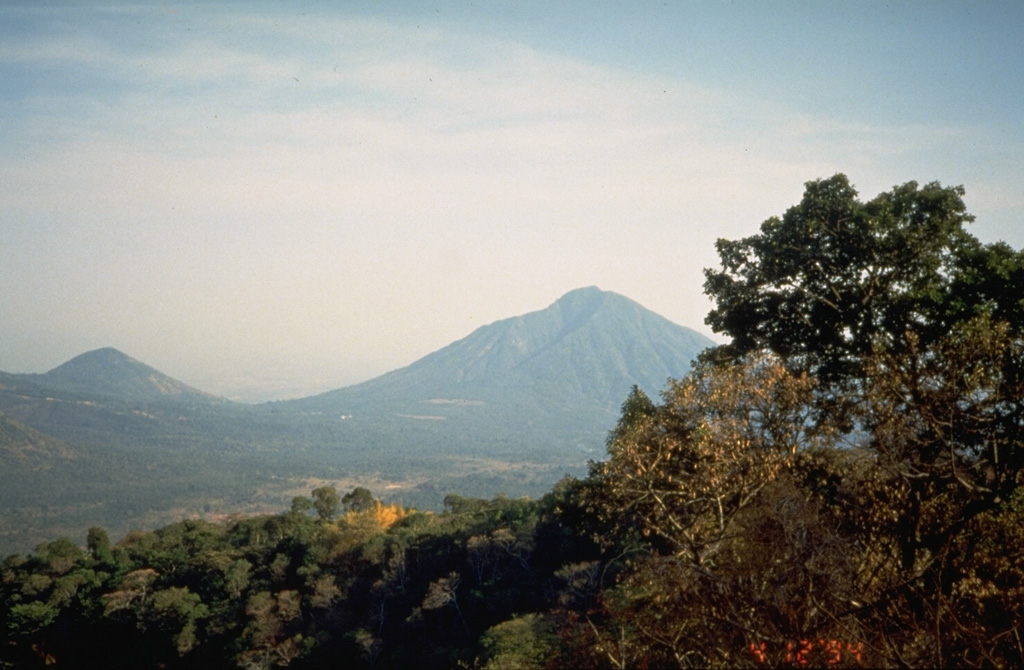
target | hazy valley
[{"x": 107, "y": 440}]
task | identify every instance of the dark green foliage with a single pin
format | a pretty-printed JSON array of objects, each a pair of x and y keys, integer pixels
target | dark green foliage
[
  {"x": 358, "y": 499},
  {"x": 326, "y": 502},
  {"x": 834, "y": 276},
  {"x": 290, "y": 589}
]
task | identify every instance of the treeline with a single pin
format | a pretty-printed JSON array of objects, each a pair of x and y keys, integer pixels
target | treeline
[
  {"x": 379, "y": 586},
  {"x": 838, "y": 486}
]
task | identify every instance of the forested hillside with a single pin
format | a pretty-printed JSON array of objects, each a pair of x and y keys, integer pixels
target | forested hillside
[{"x": 839, "y": 485}]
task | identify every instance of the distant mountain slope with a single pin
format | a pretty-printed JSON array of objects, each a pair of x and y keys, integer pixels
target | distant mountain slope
[
  {"x": 26, "y": 447},
  {"x": 108, "y": 372},
  {"x": 511, "y": 408},
  {"x": 576, "y": 359}
]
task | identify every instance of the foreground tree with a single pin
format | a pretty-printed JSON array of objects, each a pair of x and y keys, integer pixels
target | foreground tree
[
  {"x": 914, "y": 331},
  {"x": 682, "y": 471},
  {"x": 728, "y": 549},
  {"x": 824, "y": 488},
  {"x": 835, "y": 277}
]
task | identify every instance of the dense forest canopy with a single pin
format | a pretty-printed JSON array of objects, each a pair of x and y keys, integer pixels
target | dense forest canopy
[{"x": 838, "y": 485}]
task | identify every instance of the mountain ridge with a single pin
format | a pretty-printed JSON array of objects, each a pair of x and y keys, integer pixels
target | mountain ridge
[
  {"x": 590, "y": 345},
  {"x": 646, "y": 350},
  {"x": 109, "y": 372}
]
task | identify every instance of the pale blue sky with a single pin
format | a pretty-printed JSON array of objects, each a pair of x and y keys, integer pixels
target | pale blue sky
[{"x": 281, "y": 198}]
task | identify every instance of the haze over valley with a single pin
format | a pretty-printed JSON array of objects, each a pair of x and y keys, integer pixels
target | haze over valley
[{"x": 513, "y": 407}]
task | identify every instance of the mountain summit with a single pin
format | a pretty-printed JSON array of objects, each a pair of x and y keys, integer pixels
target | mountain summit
[
  {"x": 575, "y": 360},
  {"x": 109, "y": 372}
]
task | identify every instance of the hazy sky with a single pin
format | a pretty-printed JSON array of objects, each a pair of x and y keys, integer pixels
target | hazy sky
[{"x": 290, "y": 197}]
